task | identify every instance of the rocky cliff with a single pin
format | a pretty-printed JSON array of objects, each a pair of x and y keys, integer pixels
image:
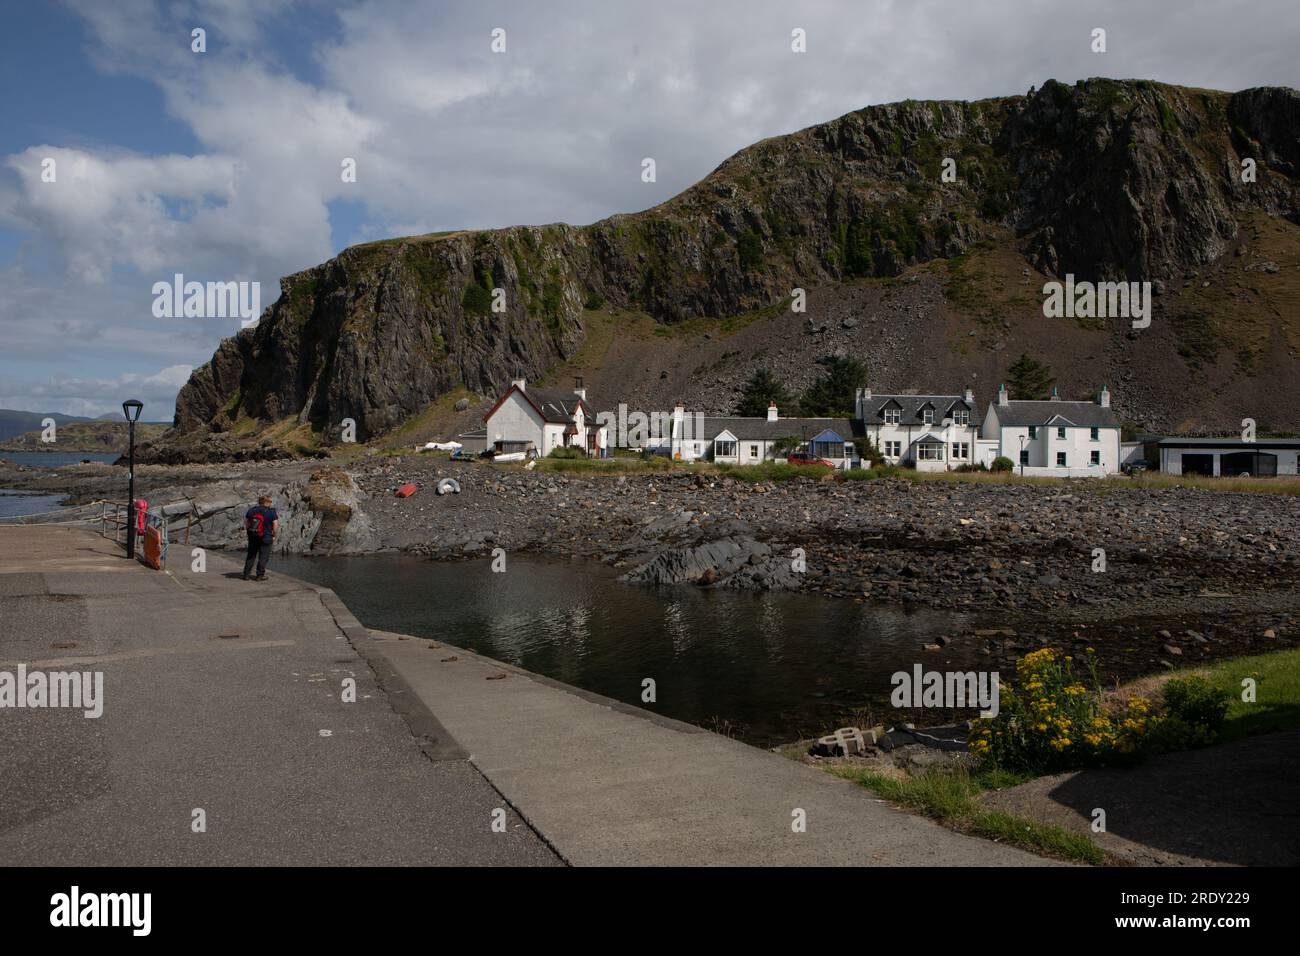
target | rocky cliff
[{"x": 1105, "y": 180}]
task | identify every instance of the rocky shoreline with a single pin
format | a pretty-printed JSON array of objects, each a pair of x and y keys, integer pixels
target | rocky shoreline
[{"x": 1189, "y": 574}]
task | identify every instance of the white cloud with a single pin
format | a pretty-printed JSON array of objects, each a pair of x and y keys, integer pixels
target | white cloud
[{"x": 96, "y": 396}]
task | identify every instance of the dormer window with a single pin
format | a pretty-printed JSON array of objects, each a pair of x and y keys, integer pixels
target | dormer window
[
  {"x": 961, "y": 416},
  {"x": 927, "y": 416},
  {"x": 892, "y": 416}
]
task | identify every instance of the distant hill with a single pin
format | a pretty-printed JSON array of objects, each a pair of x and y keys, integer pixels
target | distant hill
[
  {"x": 82, "y": 435},
  {"x": 13, "y": 422}
]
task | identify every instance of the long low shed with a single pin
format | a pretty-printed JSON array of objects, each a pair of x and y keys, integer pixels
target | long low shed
[{"x": 1229, "y": 457}]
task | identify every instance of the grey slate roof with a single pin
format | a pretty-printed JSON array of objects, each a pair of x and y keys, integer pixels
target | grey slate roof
[
  {"x": 556, "y": 405},
  {"x": 760, "y": 429},
  {"x": 912, "y": 406},
  {"x": 1084, "y": 414}
]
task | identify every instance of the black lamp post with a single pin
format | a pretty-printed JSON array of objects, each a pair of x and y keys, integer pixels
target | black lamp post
[
  {"x": 131, "y": 409},
  {"x": 1022, "y": 456}
]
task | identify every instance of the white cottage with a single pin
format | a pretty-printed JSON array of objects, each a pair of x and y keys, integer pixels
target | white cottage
[
  {"x": 739, "y": 440},
  {"x": 1055, "y": 437},
  {"x": 541, "y": 420},
  {"x": 928, "y": 432}
]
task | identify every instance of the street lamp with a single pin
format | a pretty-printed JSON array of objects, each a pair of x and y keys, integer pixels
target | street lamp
[
  {"x": 131, "y": 409},
  {"x": 1023, "y": 439}
]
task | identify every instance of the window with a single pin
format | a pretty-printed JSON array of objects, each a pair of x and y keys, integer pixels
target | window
[
  {"x": 893, "y": 449},
  {"x": 1096, "y": 458},
  {"x": 753, "y": 451},
  {"x": 892, "y": 416},
  {"x": 1060, "y": 459},
  {"x": 1060, "y": 433},
  {"x": 724, "y": 449},
  {"x": 961, "y": 416},
  {"x": 1033, "y": 433},
  {"x": 1095, "y": 435},
  {"x": 1024, "y": 456},
  {"x": 961, "y": 450},
  {"x": 927, "y": 416},
  {"x": 929, "y": 451}
]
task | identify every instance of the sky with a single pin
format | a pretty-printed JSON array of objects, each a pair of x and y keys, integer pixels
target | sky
[{"x": 225, "y": 165}]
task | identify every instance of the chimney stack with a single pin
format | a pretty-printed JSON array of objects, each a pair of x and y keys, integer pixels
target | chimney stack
[
  {"x": 1055, "y": 397},
  {"x": 1104, "y": 399},
  {"x": 578, "y": 388},
  {"x": 969, "y": 396},
  {"x": 771, "y": 411},
  {"x": 520, "y": 383},
  {"x": 1002, "y": 395}
]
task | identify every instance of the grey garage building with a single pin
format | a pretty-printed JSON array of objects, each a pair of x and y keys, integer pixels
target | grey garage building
[{"x": 1229, "y": 457}]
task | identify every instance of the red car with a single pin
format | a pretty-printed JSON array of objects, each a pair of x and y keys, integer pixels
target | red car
[{"x": 803, "y": 458}]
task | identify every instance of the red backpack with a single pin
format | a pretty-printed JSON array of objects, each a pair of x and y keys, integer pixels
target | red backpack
[{"x": 256, "y": 522}]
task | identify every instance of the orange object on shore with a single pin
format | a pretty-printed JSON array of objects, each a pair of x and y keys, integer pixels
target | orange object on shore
[
  {"x": 153, "y": 548},
  {"x": 406, "y": 490}
]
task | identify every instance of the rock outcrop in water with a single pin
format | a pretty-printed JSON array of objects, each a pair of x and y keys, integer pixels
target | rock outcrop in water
[{"x": 1106, "y": 180}]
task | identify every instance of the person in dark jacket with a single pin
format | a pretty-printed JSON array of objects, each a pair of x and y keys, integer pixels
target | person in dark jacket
[{"x": 263, "y": 526}]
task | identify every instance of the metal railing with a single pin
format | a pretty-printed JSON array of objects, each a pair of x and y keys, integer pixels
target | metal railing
[
  {"x": 115, "y": 515},
  {"x": 78, "y": 514}
]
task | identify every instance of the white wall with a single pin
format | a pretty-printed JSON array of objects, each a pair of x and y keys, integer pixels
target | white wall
[
  {"x": 907, "y": 435},
  {"x": 515, "y": 420},
  {"x": 1077, "y": 445}
]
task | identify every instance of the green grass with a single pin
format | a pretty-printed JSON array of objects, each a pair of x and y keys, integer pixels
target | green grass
[
  {"x": 951, "y": 798},
  {"x": 1274, "y": 486},
  {"x": 618, "y": 465},
  {"x": 1277, "y": 693},
  {"x": 773, "y": 471}
]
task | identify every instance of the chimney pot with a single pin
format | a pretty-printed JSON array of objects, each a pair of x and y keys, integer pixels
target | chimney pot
[
  {"x": 1002, "y": 395},
  {"x": 771, "y": 411}
]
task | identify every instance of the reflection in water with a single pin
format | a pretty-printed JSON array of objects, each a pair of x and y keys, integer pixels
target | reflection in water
[{"x": 776, "y": 666}]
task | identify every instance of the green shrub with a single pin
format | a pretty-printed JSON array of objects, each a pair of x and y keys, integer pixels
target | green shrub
[
  {"x": 750, "y": 249},
  {"x": 566, "y": 451},
  {"x": 1197, "y": 703},
  {"x": 477, "y": 299},
  {"x": 1170, "y": 733},
  {"x": 1003, "y": 463}
]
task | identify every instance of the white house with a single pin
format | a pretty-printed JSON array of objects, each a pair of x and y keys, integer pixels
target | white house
[
  {"x": 1055, "y": 437},
  {"x": 929, "y": 432},
  {"x": 542, "y": 420},
  {"x": 738, "y": 440}
]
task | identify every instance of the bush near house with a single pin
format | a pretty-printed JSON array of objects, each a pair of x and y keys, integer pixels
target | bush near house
[
  {"x": 566, "y": 451},
  {"x": 1003, "y": 463}
]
